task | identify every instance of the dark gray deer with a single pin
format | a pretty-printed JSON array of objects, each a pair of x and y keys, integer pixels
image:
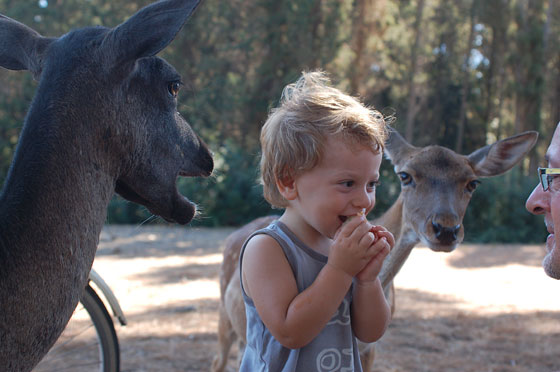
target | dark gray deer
[{"x": 104, "y": 119}]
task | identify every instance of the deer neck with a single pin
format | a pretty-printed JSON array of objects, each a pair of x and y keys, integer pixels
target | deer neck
[
  {"x": 52, "y": 209},
  {"x": 405, "y": 240}
]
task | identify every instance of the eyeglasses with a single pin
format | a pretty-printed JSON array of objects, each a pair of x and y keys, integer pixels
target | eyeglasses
[{"x": 547, "y": 177}]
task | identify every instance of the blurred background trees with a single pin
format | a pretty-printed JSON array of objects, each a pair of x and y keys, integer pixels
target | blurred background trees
[{"x": 456, "y": 73}]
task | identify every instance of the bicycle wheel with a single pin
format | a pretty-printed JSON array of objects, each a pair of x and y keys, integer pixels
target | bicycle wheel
[{"x": 89, "y": 342}]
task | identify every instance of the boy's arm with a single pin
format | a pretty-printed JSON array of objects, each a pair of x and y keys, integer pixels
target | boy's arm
[
  {"x": 371, "y": 313},
  {"x": 293, "y": 318}
]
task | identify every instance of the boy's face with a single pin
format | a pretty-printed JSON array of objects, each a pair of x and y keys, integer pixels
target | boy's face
[{"x": 340, "y": 186}]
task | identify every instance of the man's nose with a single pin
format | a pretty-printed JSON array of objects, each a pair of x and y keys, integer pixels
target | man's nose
[{"x": 539, "y": 201}]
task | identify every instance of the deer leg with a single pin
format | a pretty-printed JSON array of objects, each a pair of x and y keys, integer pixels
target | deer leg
[
  {"x": 231, "y": 325},
  {"x": 236, "y": 312},
  {"x": 226, "y": 337},
  {"x": 235, "y": 307},
  {"x": 392, "y": 298},
  {"x": 367, "y": 355},
  {"x": 240, "y": 351}
]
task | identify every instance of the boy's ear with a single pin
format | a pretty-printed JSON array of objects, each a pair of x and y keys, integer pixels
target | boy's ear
[{"x": 287, "y": 188}]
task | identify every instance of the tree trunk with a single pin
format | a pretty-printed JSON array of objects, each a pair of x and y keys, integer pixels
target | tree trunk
[
  {"x": 555, "y": 106},
  {"x": 465, "y": 90},
  {"x": 412, "y": 108},
  {"x": 529, "y": 69},
  {"x": 364, "y": 27}
]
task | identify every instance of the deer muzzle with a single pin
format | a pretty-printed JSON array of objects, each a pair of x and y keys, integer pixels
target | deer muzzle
[{"x": 445, "y": 234}]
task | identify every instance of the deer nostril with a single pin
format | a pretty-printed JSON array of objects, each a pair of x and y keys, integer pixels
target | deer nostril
[{"x": 445, "y": 234}]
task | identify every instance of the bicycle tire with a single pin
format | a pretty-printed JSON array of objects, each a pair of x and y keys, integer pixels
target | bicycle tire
[{"x": 89, "y": 342}]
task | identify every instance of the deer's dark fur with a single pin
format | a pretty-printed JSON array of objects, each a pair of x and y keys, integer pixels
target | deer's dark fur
[{"x": 104, "y": 119}]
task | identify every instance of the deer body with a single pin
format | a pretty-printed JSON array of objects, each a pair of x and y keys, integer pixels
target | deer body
[
  {"x": 103, "y": 119},
  {"x": 436, "y": 187},
  {"x": 41, "y": 281}
]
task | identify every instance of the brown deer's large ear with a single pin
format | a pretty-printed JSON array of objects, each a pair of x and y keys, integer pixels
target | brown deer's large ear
[
  {"x": 501, "y": 156},
  {"x": 147, "y": 32},
  {"x": 396, "y": 147},
  {"x": 21, "y": 48}
]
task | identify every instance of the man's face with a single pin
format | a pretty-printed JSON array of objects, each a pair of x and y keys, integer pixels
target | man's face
[{"x": 547, "y": 203}]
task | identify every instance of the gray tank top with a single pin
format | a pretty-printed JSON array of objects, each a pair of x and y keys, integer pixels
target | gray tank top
[{"x": 334, "y": 349}]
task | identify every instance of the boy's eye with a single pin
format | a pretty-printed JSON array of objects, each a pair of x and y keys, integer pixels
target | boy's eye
[
  {"x": 348, "y": 183},
  {"x": 373, "y": 184}
]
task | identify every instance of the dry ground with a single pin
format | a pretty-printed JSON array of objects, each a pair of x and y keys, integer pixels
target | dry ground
[{"x": 480, "y": 308}]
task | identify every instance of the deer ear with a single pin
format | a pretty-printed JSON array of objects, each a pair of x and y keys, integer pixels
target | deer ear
[
  {"x": 501, "y": 156},
  {"x": 147, "y": 32},
  {"x": 396, "y": 147},
  {"x": 21, "y": 48}
]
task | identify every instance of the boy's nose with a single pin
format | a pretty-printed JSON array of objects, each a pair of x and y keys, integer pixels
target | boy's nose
[{"x": 363, "y": 199}]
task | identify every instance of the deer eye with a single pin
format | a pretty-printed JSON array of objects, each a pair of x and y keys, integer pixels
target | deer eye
[
  {"x": 173, "y": 88},
  {"x": 471, "y": 186},
  {"x": 405, "y": 178}
]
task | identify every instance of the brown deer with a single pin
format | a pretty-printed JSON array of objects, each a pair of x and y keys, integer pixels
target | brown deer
[
  {"x": 436, "y": 187},
  {"x": 104, "y": 119}
]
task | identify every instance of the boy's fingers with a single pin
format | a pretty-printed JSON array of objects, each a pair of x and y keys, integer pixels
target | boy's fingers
[
  {"x": 389, "y": 238},
  {"x": 367, "y": 240},
  {"x": 349, "y": 226},
  {"x": 379, "y": 246},
  {"x": 381, "y": 231}
]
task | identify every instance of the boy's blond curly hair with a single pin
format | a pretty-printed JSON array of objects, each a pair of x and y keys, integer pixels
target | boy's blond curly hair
[{"x": 310, "y": 110}]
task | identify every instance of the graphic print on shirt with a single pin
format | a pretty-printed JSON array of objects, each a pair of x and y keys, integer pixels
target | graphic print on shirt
[
  {"x": 342, "y": 315},
  {"x": 331, "y": 360}
]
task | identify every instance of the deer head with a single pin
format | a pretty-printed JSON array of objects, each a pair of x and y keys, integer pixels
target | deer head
[
  {"x": 437, "y": 184},
  {"x": 106, "y": 87}
]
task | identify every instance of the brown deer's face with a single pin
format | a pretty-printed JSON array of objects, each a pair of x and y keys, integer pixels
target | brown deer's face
[{"x": 437, "y": 184}]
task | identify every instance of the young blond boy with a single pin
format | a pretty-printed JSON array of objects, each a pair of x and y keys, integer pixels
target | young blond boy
[{"x": 309, "y": 279}]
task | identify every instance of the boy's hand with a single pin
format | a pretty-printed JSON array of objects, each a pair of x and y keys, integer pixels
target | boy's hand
[
  {"x": 352, "y": 247},
  {"x": 384, "y": 243}
]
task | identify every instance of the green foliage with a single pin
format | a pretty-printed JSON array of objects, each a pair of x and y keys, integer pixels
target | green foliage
[
  {"x": 232, "y": 196},
  {"x": 497, "y": 211},
  {"x": 122, "y": 211},
  {"x": 387, "y": 191}
]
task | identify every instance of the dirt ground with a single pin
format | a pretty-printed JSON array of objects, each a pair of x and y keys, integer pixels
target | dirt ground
[{"x": 480, "y": 308}]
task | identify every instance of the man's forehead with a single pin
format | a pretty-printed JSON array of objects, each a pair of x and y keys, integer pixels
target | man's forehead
[{"x": 553, "y": 153}]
